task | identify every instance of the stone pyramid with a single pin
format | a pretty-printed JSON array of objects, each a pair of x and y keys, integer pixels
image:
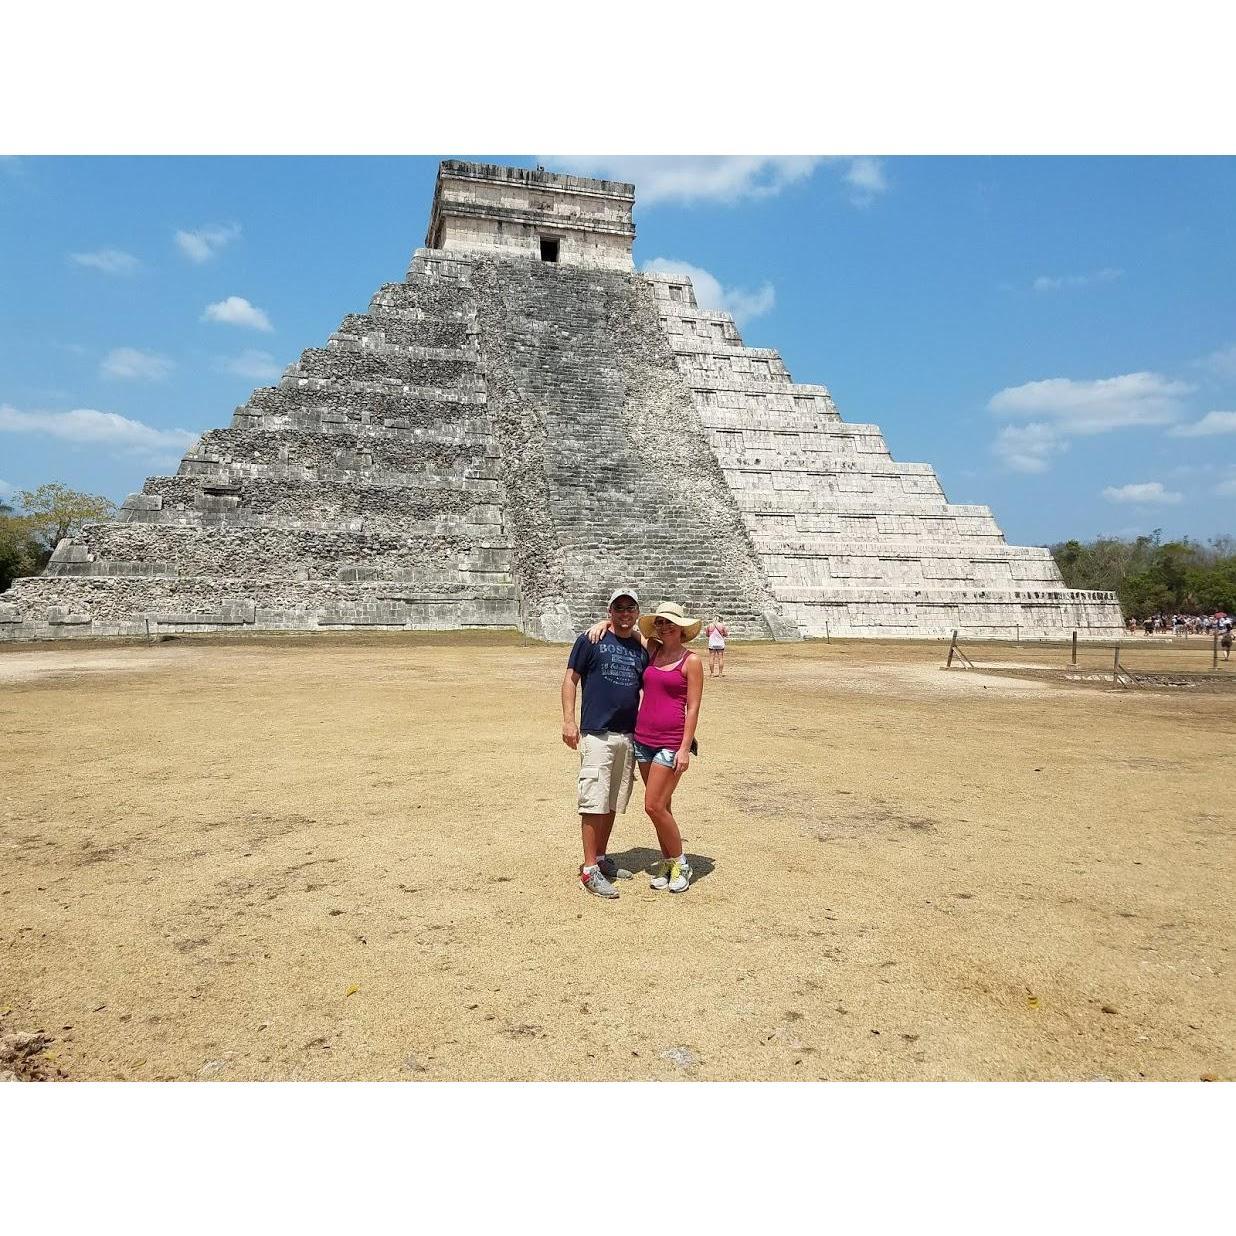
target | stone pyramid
[{"x": 522, "y": 424}]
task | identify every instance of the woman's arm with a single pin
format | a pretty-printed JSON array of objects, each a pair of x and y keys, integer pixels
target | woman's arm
[{"x": 694, "y": 670}]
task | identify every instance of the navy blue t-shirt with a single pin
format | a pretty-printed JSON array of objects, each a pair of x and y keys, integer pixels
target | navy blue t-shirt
[{"x": 610, "y": 671}]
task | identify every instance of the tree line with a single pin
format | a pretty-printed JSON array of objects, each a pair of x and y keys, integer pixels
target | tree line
[{"x": 1152, "y": 576}]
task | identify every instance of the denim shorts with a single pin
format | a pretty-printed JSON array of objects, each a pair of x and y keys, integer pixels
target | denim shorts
[{"x": 653, "y": 755}]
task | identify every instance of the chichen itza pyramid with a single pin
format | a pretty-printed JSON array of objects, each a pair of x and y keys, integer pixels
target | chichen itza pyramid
[{"x": 486, "y": 446}]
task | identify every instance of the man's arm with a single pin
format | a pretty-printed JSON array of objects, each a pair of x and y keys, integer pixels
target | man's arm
[{"x": 570, "y": 730}]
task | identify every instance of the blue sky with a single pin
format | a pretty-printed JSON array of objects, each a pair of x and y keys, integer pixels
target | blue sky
[{"x": 1057, "y": 336}]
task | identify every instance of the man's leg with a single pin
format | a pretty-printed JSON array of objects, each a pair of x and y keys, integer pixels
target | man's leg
[
  {"x": 596, "y": 814},
  {"x": 595, "y": 830}
]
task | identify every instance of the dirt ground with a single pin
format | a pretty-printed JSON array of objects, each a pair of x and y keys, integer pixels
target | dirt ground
[{"x": 354, "y": 857}]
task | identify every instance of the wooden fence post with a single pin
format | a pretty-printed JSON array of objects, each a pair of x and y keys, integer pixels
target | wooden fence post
[
  {"x": 951, "y": 649},
  {"x": 1116, "y": 667},
  {"x": 1214, "y": 660},
  {"x": 1074, "y": 647},
  {"x": 827, "y": 637}
]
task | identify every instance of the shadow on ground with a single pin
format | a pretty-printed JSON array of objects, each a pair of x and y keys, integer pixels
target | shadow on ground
[{"x": 641, "y": 859}]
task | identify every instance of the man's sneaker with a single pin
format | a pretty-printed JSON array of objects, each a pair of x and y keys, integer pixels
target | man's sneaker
[
  {"x": 674, "y": 874},
  {"x": 592, "y": 879},
  {"x": 611, "y": 871}
]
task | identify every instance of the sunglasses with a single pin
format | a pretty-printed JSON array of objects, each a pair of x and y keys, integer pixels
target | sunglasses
[{"x": 625, "y": 609}]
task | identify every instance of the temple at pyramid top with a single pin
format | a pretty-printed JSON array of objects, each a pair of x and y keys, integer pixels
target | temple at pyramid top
[
  {"x": 519, "y": 425},
  {"x": 516, "y": 212}
]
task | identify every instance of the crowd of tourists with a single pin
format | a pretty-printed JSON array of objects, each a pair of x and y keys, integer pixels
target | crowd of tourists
[{"x": 1183, "y": 624}]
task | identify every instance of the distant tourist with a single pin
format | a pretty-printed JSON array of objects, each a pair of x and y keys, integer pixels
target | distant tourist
[
  {"x": 717, "y": 633},
  {"x": 1225, "y": 642},
  {"x": 610, "y": 669}
]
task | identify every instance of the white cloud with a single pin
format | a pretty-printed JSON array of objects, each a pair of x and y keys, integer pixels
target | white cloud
[
  {"x": 1221, "y": 362},
  {"x": 1146, "y": 493},
  {"x": 1061, "y": 408},
  {"x": 866, "y": 179},
  {"x": 1211, "y": 424},
  {"x": 742, "y": 304},
  {"x": 692, "y": 178},
  {"x": 1028, "y": 448},
  {"x": 1053, "y": 283},
  {"x": 206, "y": 242},
  {"x": 251, "y": 363},
  {"x": 133, "y": 363},
  {"x": 109, "y": 261},
  {"x": 1094, "y": 407},
  {"x": 236, "y": 311},
  {"x": 88, "y": 427},
  {"x": 6, "y": 491}
]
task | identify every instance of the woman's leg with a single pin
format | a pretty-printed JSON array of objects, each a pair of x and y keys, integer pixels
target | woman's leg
[
  {"x": 659, "y": 785},
  {"x": 721, "y": 663}
]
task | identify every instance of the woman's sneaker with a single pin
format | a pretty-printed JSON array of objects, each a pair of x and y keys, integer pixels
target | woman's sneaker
[
  {"x": 674, "y": 874},
  {"x": 680, "y": 876},
  {"x": 592, "y": 879}
]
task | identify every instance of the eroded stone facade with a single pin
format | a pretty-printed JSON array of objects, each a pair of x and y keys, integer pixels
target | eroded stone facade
[
  {"x": 513, "y": 430},
  {"x": 853, "y": 542}
]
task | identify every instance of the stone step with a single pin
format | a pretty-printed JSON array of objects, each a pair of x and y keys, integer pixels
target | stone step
[
  {"x": 396, "y": 330},
  {"x": 231, "y": 550}
]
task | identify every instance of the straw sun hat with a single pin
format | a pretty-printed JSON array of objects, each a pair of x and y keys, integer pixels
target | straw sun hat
[{"x": 672, "y": 611}]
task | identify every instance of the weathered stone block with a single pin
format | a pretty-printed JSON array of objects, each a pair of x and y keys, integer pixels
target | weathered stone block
[{"x": 61, "y": 616}]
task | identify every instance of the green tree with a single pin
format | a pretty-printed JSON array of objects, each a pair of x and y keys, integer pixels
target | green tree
[
  {"x": 54, "y": 511},
  {"x": 19, "y": 550},
  {"x": 1151, "y": 576}
]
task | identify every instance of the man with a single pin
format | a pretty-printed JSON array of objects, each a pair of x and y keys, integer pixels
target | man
[{"x": 610, "y": 670}]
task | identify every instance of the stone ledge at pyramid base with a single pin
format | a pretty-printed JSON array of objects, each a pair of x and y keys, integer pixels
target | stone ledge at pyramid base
[
  {"x": 92, "y": 608},
  {"x": 42, "y": 609},
  {"x": 883, "y": 613}
]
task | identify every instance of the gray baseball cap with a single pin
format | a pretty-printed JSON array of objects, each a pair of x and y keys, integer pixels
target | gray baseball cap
[{"x": 623, "y": 592}]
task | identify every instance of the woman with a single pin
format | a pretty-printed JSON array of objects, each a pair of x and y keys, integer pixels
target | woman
[
  {"x": 669, "y": 711},
  {"x": 717, "y": 632}
]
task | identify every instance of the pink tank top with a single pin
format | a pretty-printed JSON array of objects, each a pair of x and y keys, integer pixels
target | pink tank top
[{"x": 662, "y": 717}]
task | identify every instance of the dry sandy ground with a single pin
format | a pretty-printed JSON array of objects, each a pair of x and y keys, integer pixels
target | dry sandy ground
[{"x": 353, "y": 858}]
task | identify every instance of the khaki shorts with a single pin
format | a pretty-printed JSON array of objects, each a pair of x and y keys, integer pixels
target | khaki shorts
[{"x": 606, "y": 772}]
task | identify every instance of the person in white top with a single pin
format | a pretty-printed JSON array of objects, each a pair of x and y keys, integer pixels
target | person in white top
[{"x": 717, "y": 632}]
